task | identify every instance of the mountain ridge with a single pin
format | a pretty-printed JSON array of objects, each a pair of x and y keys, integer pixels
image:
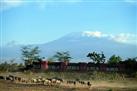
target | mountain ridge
[{"x": 79, "y": 46}]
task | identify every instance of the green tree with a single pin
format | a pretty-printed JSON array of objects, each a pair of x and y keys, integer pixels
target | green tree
[
  {"x": 63, "y": 56},
  {"x": 114, "y": 59},
  {"x": 30, "y": 54},
  {"x": 97, "y": 57},
  {"x": 130, "y": 64}
]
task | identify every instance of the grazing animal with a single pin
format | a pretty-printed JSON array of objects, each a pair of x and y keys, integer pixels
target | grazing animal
[
  {"x": 71, "y": 82},
  {"x": 33, "y": 80},
  {"x": 58, "y": 82},
  {"x": 11, "y": 77},
  {"x": 24, "y": 80},
  {"x": 19, "y": 79},
  {"x": 7, "y": 78},
  {"x": 43, "y": 80},
  {"x": 39, "y": 80},
  {"x": 74, "y": 82},
  {"x": 2, "y": 77},
  {"x": 82, "y": 82},
  {"x": 89, "y": 84},
  {"x": 15, "y": 78},
  {"x": 58, "y": 79},
  {"x": 53, "y": 81},
  {"x": 47, "y": 82}
]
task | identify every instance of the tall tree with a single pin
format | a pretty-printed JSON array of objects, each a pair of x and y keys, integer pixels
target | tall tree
[
  {"x": 63, "y": 56},
  {"x": 30, "y": 54},
  {"x": 97, "y": 57},
  {"x": 114, "y": 59}
]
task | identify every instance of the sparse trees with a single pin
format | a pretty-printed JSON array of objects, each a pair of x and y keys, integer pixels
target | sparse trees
[
  {"x": 63, "y": 56},
  {"x": 30, "y": 54},
  {"x": 97, "y": 57}
]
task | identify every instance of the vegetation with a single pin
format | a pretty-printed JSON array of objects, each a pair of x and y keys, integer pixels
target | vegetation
[
  {"x": 130, "y": 64},
  {"x": 63, "y": 56},
  {"x": 101, "y": 81},
  {"x": 6, "y": 86},
  {"x": 10, "y": 67},
  {"x": 30, "y": 54},
  {"x": 97, "y": 57},
  {"x": 114, "y": 59}
]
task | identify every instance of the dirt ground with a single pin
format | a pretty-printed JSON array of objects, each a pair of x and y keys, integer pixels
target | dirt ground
[
  {"x": 8, "y": 86},
  {"x": 97, "y": 85}
]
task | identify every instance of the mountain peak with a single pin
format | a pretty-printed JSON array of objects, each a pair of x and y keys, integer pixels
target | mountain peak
[
  {"x": 97, "y": 34},
  {"x": 124, "y": 38}
]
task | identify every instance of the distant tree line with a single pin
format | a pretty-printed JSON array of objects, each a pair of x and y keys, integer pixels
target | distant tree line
[
  {"x": 30, "y": 54},
  {"x": 130, "y": 63}
]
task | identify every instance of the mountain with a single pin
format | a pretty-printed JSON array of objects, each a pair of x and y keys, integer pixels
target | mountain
[{"x": 79, "y": 46}]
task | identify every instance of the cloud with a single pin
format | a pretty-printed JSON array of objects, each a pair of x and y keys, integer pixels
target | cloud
[
  {"x": 124, "y": 38},
  {"x": 42, "y": 4},
  {"x": 121, "y": 38},
  {"x": 9, "y": 4},
  {"x": 94, "y": 34}
]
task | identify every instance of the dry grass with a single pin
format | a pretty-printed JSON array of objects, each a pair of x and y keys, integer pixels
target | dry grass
[
  {"x": 8, "y": 86},
  {"x": 97, "y": 85}
]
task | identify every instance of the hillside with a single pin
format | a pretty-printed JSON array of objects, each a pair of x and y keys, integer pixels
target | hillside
[{"x": 78, "y": 46}]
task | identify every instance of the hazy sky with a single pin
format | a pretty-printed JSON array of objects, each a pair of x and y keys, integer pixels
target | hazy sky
[{"x": 40, "y": 21}]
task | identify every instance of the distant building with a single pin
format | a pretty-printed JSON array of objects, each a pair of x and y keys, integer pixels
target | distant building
[{"x": 81, "y": 66}]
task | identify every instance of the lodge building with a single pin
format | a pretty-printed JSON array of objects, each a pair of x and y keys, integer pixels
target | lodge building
[{"x": 81, "y": 66}]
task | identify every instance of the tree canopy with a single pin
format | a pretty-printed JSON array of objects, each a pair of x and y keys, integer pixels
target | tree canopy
[
  {"x": 63, "y": 56},
  {"x": 30, "y": 54},
  {"x": 97, "y": 57},
  {"x": 114, "y": 59}
]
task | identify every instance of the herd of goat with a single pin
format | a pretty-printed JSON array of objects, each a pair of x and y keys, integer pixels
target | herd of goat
[{"x": 45, "y": 81}]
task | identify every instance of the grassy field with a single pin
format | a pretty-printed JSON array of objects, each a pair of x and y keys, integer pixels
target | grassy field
[{"x": 101, "y": 82}]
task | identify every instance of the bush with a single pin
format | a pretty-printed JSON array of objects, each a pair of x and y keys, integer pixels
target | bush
[{"x": 10, "y": 67}]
